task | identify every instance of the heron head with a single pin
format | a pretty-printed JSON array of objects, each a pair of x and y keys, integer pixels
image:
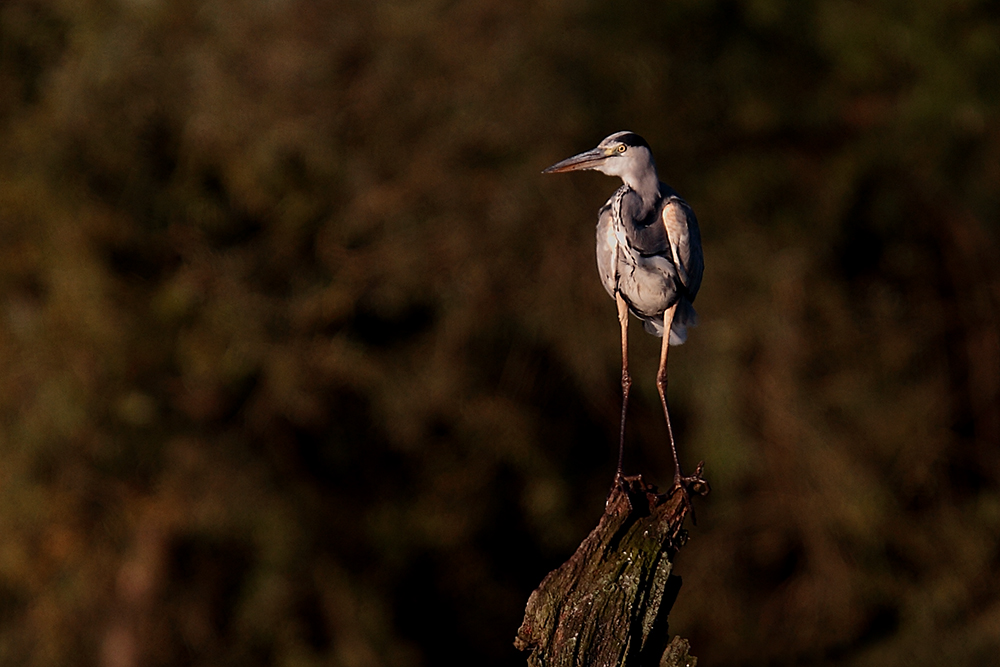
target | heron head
[{"x": 622, "y": 154}]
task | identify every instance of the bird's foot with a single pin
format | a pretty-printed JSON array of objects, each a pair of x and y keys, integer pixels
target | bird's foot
[
  {"x": 624, "y": 484},
  {"x": 635, "y": 489},
  {"x": 686, "y": 486}
]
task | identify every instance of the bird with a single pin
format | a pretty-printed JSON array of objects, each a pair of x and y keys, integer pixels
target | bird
[{"x": 650, "y": 261}]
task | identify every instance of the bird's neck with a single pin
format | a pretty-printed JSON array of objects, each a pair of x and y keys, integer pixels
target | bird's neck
[{"x": 647, "y": 187}]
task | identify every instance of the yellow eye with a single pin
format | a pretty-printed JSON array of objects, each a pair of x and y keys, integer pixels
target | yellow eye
[{"x": 622, "y": 148}]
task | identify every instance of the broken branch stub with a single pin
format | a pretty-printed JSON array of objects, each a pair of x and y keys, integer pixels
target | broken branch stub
[{"x": 608, "y": 604}]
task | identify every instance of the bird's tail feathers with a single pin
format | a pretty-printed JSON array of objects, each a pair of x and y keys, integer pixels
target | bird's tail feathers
[
  {"x": 684, "y": 317},
  {"x": 653, "y": 325}
]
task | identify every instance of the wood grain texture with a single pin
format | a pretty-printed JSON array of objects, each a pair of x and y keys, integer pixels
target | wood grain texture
[{"x": 608, "y": 604}]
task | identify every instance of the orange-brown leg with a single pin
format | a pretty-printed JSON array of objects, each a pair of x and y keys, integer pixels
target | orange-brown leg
[
  {"x": 626, "y": 378},
  {"x": 661, "y": 385},
  {"x": 684, "y": 484}
]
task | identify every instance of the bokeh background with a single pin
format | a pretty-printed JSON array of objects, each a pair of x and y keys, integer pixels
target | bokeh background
[{"x": 302, "y": 361}]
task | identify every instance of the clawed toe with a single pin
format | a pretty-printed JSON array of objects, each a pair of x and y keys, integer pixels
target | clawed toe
[
  {"x": 694, "y": 483},
  {"x": 691, "y": 484}
]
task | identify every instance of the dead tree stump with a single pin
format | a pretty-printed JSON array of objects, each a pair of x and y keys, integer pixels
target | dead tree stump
[{"x": 608, "y": 604}]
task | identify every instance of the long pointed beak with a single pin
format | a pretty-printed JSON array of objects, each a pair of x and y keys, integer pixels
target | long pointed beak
[{"x": 587, "y": 160}]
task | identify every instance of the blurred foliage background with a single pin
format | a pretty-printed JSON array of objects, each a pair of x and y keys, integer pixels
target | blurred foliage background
[{"x": 302, "y": 361}]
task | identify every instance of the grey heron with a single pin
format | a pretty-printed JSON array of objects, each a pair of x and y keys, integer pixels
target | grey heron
[{"x": 650, "y": 261}]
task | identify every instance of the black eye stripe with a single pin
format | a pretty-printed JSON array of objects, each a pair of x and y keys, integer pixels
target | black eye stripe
[{"x": 632, "y": 139}]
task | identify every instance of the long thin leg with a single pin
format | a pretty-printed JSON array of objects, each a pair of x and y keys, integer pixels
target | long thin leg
[
  {"x": 694, "y": 482},
  {"x": 626, "y": 378},
  {"x": 661, "y": 385}
]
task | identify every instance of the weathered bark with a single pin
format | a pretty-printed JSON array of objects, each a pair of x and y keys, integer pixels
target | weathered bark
[{"x": 608, "y": 604}]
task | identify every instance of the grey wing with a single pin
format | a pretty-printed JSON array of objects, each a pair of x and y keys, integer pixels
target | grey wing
[
  {"x": 685, "y": 243},
  {"x": 607, "y": 250}
]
